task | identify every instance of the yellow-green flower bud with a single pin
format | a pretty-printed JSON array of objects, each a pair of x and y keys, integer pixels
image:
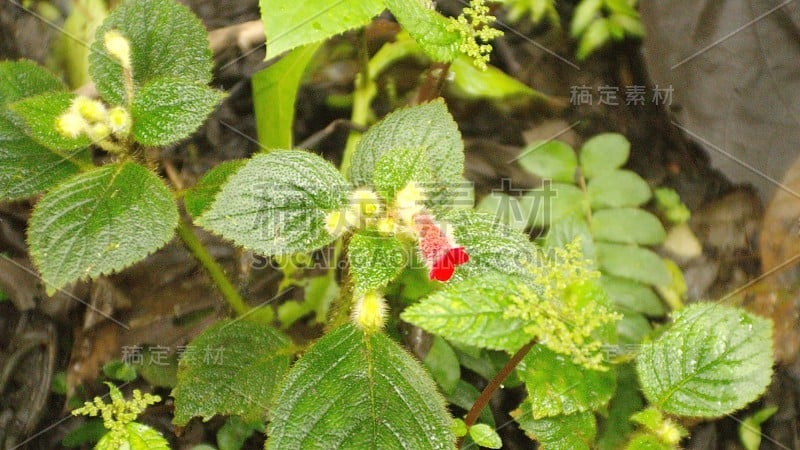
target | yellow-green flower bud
[
  {"x": 118, "y": 47},
  {"x": 71, "y": 124},
  {"x": 410, "y": 201},
  {"x": 369, "y": 312},
  {"x": 91, "y": 110},
  {"x": 99, "y": 132},
  {"x": 119, "y": 121},
  {"x": 365, "y": 203}
]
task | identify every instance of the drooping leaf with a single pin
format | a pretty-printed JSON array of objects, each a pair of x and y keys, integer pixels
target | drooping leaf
[
  {"x": 375, "y": 260},
  {"x": 274, "y": 94},
  {"x": 618, "y": 189},
  {"x": 166, "y": 40},
  {"x": 557, "y": 386},
  {"x": 492, "y": 84},
  {"x": 711, "y": 361},
  {"x": 353, "y": 390},
  {"x": 276, "y": 204},
  {"x": 442, "y": 363},
  {"x": 551, "y": 203},
  {"x": 232, "y": 368},
  {"x": 38, "y": 116},
  {"x": 635, "y": 263},
  {"x": 289, "y": 24},
  {"x": 398, "y": 167},
  {"x": 166, "y": 110},
  {"x": 604, "y": 153},
  {"x": 563, "y": 432},
  {"x": 627, "y": 226},
  {"x": 24, "y": 78},
  {"x": 485, "y": 436},
  {"x": 554, "y": 160},
  {"x": 632, "y": 295},
  {"x": 427, "y": 27},
  {"x": 100, "y": 221},
  {"x": 200, "y": 197},
  {"x": 138, "y": 437}
]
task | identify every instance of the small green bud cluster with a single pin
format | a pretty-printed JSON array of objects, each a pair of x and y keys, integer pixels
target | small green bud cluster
[
  {"x": 92, "y": 118},
  {"x": 119, "y": 413},
  {"x": 474, "y": 25}
]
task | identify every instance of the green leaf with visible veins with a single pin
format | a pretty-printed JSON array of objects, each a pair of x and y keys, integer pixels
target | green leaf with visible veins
[
  {"x": 39, "y": 114},
  {"x": 200, "y": 197},
  {"x": 375, "y": 260},
  {"x": 276, "y": 204},
  {"x": 166, "y": 40},
  {"x": 398, "y": 167},
  {"x": 289, "y": 24},
  {"x": 563, "y": 432},
  {"x": 232, "y": 368},
  {"x": 711, "y": 361},
  {"x": 427, "y": 27},
  {"x": 359, "y": 391},
  {"x": 99, "y": 222},
  {"x": 138, "y": 437},
  {"x": 25, "y": 78}
]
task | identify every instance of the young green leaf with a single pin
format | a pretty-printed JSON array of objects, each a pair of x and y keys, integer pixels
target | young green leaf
[
  {"x": 100, "y": 221},
  {"x": 289, "y": 24},
  {"x": 232, "y": 368},
  {"x": 596, "y": 36},
  {"x": 24, "y": 78},
  {"x": 552, "y": 203},
  {"x": 166, "y": 40},
  {"x": 627, "y": 226},
  {"x": 39, "y": 114},
  {"x": 750, "y": 428},
  {"x": 353, "y": 390},
  {"x": 618, "y": 189},
  {"x": 493, "y": 84},
  {"x": 632, "y": 295},
  {"x": 137, "y": 437},
  {"x": 710, "y": 362},
  {"x": 277, "y": 203},
  {"x": 563, "y": 432},
  {"x": 398, "y": 167},
  {"x": 648, "y": 442},
  {"x": 166, "y": 110},
  {"x": 485, "y": 436},
  {"x": 375, "y": 260},
  {"x": 635, "y": 263},
  {"x": 585, "y": 13},
  {"x": 427, "y": 27},
  {"x": 200, "y": 197},
  {"x": 557, "y": 386},
  {"x": 274, "y": 94},
  {"x": 442, "y": 363},
  {"x": 604, "y": 153},
  {"x": 554, "y": 160}
]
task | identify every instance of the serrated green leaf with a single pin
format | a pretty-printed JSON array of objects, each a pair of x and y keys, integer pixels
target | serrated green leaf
[
  {"x": 618, "y": 189},
  {"x": 289, "y": 24},
  {"x": 485, "y": 436},
  {"x": 632, "y": 295},
  {"x": 398, "y": 167},
  {"x": 627, "y": 226},
  {"x": 604, "y": 153},
  {"x": 557, "y": 386},
  {"x": 615, "y": 428},
  {"x": 711, "y": 361},
  {"x": 353, "y": 390},
  {"x": 276, "y": 204},
  {"x": 492, "y": 84},
  {"x": 166, "y": 110},
  {"x": 563, "y": 432},
  {"x": 585, "y": 13},
  {"x": 138, "y": 437},
  {"x": 595, "y": 36},
  {"x": 554, "y": 160},
  {"x": 473, "y": 312},
  {"x": 442, "y": 363},
  {"x": 427, "y": 27},
  {"x": 635, "y": 263},
  {"x": 166, "y": 40},
  {"x": 274, "y": 94},
  {"x": 99, "y": 222},
  {"x": 429, "y": 127},
  {"x": 200, "y": 197},
  {"x": 25, "y": 78},
  {"x": 38, "y": 116},
  {"x": 552, "y": 203},
  {"x": 232, "y": 368},
  {"x": 375, "y": 260}
]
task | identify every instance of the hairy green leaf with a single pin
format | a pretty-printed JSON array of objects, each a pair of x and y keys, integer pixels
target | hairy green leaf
[
  {"x": 627, "y": 226},
  {"x": 276, "y": 204},
  {"x": 200, "y": 197},
  {"x": 427, "y": 27},
  {"x": 604, "y": 153},
  {"x": 137, "y": 437},
  {"x": 710, "y": 362},
  {"x": 618, "y": 189},
  {"x": 100, "y": 221},
  {"x": 357, "y": 390},
  {"x": 166, "y": 40},
  {"x": 635, "y": 263},
  {"x": 563, "y": 432},
  {"x": 232, "y": 368},
  {"x": 25, "y": 78},
  {"x": 375, "y": 260},
  {"x": 554, "y": 160},
  {"x": 39, "y": 114},
  {"x": 632, "y": 295},
  {"x": 398, "y": 167}
]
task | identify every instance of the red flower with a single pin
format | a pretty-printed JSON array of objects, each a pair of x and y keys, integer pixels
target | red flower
[{"x": 439, "y": 250}]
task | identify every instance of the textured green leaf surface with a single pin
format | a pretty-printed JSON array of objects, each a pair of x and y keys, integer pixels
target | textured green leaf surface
[
  {"x": 353, "y": 390},
  {"x": 712, "y": 361},
  {"x": 139, "y": 437},
  {"x": 554, "y": 160},
  {"x": 557, "y": 386},
  {"x": 289, "y": 24},
  {"x": 39, "y": 114},
  {"x": 232, "y": 368},
  {"x": 276, "y": 204},
  {"x": 375, "y": 260},
  {"x": 166, "y": 40},
  {"x": 485, "y": 436},
  {"x": 100, "y": 221},
  {"x": 274, "y": 94},
  {"x": 24, "y": 78},
  {"x": 504, "y": 209},
  {"x": 632, "y": 295},
  {"x": 564, "y": 432},
  {"x": 166, "y": 110},
  {"x": 398, "y": 167},
  {"x": 635, "y": 263},
  {"x": 200, "y": 197},
  {"x": 550, "y": 204},
  {"x": 429, "y": 127},
  {"x": 473, "y": 312},
  {"x": 618, "y": 189},
  {"x": 604, "y": 153},
  {"x": 627, "y": 226},
  {"x": 427, "y": 27}
]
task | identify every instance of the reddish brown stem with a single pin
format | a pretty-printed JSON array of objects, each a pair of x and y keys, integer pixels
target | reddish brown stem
[{"x": 434, "y": 82}]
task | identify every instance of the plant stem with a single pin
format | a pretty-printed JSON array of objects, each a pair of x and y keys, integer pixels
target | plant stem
[
  {"x": 214, "y": 270},
  {"x": 494, "y": 384},
  {"x": 434, "y": 82}
]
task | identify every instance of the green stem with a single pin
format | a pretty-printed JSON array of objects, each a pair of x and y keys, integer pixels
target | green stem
[{"x": 214, "y": 270}]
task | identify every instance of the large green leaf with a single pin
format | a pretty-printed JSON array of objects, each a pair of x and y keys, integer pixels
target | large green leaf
[
  {"x": 398, "y": 167},
  {"x": 289, "y": 24},
  {"x": 166, "y": 110},
  {"x": 618, "y": 189},
  {"x": 557, "y": 386},
  {"x": 564, "y": 432},
  {"x": 276, "y": 204},
  {"x": 710, "y": 362},
  {"x": 200, "y": 197},
  {"x": 357, "y": 390},
  {"x": 274, "y": 94},
  {"x": 24, "y": 78},
  {"x": 554, "y": 160},
  {"x": 100, "y": 221},
  {"x": 604, "y": 153},
  {"x": 427, "y": 27},
  {"x": 39, "y": 114},
  {"x": 630, "y": 261},
  {"x": 231, "y": 369},
  {"x": 375, "y": 260},
  {"x": 166, "y": 40},
  {"x": 627, "y": 226}
]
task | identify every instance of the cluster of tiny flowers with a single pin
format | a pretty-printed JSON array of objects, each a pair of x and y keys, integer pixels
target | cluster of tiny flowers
[
  {"x": 119, "y": 413},
  {"x": 91, "y": 118},
  {"x": 474, "y": 25}
]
